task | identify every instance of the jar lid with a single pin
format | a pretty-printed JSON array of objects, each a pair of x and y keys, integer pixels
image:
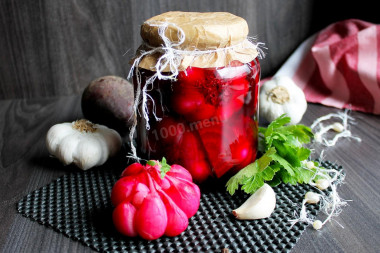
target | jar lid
[{"x": 203, "y": 31}]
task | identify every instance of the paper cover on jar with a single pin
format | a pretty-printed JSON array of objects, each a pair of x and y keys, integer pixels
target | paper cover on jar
[{"x": 212, "y": 39}]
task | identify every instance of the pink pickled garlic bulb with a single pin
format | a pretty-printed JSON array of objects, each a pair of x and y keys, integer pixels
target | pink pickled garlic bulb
[{"x": 149, "y": 205}]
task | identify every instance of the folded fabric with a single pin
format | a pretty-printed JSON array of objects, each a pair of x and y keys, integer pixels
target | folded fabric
[{"x": 339, "y": 66}]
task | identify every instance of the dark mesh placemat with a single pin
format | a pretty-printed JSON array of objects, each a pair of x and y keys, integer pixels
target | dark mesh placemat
[{"x": 78, "y": 205}]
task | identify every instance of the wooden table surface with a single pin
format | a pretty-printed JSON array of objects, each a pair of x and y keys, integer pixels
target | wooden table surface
[{"x": 25, "y": 166}]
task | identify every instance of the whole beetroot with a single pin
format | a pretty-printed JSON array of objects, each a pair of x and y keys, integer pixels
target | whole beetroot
[{"x": 108, "y": 100}]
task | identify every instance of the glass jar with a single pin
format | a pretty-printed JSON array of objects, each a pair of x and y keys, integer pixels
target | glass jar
[
  {"x": 209, "y": 119},
  {"x": 198, "y": 76}
]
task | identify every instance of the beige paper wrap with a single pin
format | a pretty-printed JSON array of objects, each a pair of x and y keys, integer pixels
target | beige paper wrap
[{"x": 221, "y": 35}]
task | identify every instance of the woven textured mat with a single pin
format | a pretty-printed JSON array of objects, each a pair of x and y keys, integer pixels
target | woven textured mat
[{"x": 79, "y": 206}]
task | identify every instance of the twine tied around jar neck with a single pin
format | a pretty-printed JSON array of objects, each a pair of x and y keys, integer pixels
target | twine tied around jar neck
[{"x": 170, "y": 58}]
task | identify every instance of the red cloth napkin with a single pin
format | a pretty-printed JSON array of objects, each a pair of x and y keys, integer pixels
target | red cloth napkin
[{"x": 339, "y": 66}]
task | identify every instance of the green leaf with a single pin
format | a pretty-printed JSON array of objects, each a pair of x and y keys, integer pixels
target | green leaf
[
  {"x": 252, "y": 184},
  {"x": 275, "y": 137},
  {"x": 301, "y": 132},
  {"x": 303, "y": 153},
  {"x": 280, "y": 148},
  {"x": 275, "y": 181},
  {"x": 151, "y": 162},
  {"x": 292, "y": 156},
  {"x": 285, "y": 164},
  {"x": 304, "y": 176},
  {"x": 268, "y": 174},
  {"x": 250, "y": 175},
  {"x": 279, "y": 122},
  {"x": 287, "y": 178},
  {"x": 265, "y": 160},
  {"x": 262, "y": 130},
  {"x": 275, "y": 167},
  {"x": 164, "y": 167},
  {"x": 234, "y": 182}
]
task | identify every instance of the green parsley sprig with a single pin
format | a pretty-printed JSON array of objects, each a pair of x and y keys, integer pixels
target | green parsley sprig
[{"x": 282, "y": 160}]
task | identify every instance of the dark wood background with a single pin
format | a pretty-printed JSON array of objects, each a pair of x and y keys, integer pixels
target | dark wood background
[{"x": 54, "y": 48}]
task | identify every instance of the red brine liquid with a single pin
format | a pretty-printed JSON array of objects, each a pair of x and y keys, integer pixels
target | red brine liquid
[{"x": 209, "y": 119}]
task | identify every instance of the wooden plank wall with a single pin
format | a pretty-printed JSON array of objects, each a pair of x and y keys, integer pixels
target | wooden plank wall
[{"x": 55, "y": 48}]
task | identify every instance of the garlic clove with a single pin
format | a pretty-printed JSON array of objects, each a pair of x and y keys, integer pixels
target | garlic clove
[
  {"x": 317, "y": 224},
  {"x": 337, "y": 127},
  {"x": 87, "y": 150},
  {"x": 322, "y": 184},
  {"x": 258, "y": 206},
  {"x": 310, "y": 165},
  {"x": 66, "y": 148},
  {"x": 111, "y": 137},
  {"x": 312, "y": 197},
  {"x": 141, "y": 192},
  {"x": 55, "y": 135},
  {"x": 125, "y": 212}
]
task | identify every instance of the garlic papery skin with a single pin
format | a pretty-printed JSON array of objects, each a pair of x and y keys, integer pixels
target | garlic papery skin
[
  {"x": 259, "y": 205},
  {"x": 281, "y": 95},
  {"x": 83, "y": 143}
]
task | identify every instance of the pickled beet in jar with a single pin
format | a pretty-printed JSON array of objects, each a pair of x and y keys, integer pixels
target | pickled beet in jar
[{"x": 205, "y": 117}]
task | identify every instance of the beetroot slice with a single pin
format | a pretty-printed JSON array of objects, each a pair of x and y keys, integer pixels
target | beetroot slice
[{"x": 216, "y": 148}]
